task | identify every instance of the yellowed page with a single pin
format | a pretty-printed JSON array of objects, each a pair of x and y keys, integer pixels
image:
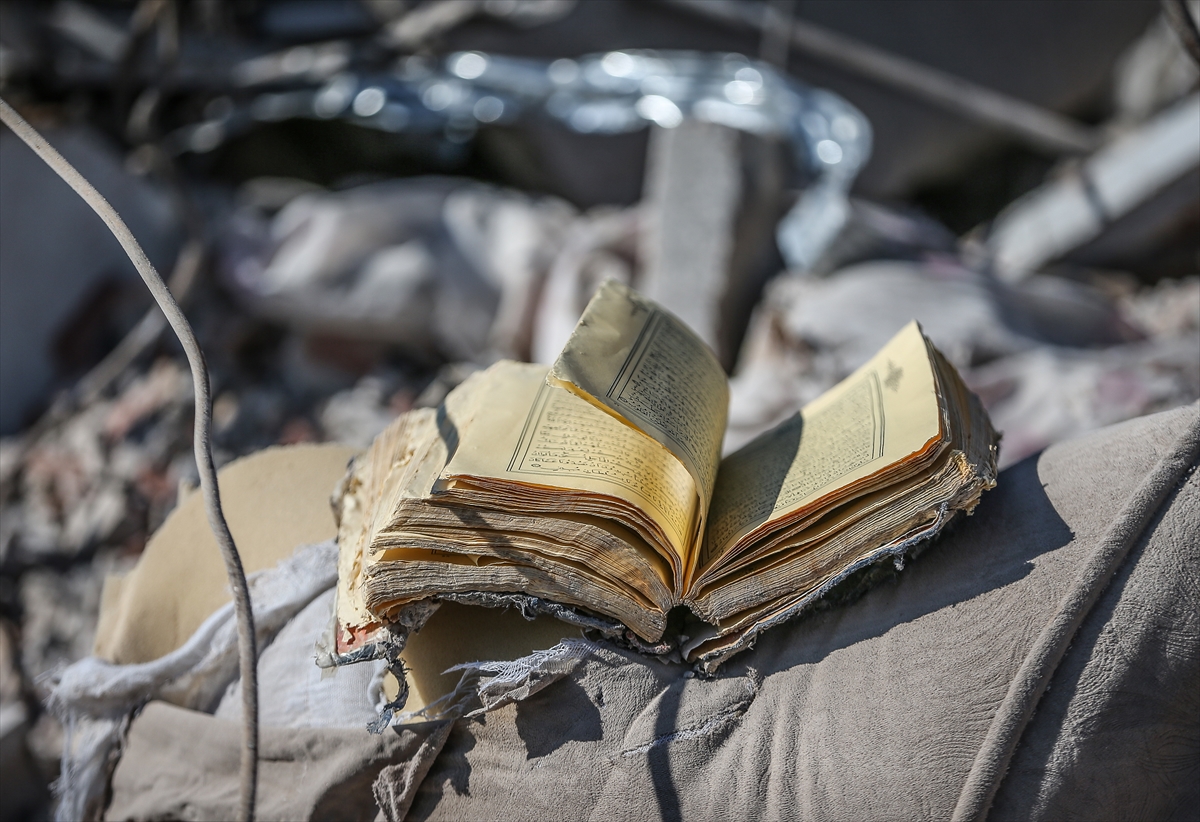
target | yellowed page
[
  {"x": 882, "y": 414},
  {"x": 645, "y": 366},
  {"x": 541, "y": 435}
]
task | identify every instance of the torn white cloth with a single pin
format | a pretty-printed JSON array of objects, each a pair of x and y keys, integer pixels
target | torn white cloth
[
  {"x": 493, "y": 685},
  {"x": 295, "y": 693},
  {"x": 94, "y": 698},
  {"x": 292, "y": 605},
  {"x": 502, "y": 683}
]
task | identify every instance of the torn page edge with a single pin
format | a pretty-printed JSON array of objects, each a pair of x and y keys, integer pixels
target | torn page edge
[
  {"x": 387, "y": 642},
  {"x": 532, "y": 607}
]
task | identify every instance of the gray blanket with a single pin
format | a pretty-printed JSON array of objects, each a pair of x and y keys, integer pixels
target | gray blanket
[
  {"x": 908, "y": 703},
  {"x": 1040, "y": 661}
]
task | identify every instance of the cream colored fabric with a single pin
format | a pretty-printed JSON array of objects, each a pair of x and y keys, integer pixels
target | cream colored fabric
[{"x": 274, "y": 500}]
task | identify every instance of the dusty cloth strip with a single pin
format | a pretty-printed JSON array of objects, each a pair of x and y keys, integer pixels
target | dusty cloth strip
[
  {"x": 489, "y": 685},
  {"x": 181, "y": 764},
  {"x": 495, "y": 684},
  {"x": 396, "y": 785},
  {"x": 94, "y": 698}
]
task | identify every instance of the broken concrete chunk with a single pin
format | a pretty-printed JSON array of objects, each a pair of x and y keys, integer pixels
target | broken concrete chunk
[{"x": 712, "y": 197}]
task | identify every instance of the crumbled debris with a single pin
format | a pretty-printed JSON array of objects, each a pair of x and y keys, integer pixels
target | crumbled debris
[
  {"x": 358, "y": 415},
  {"x": 75, "y": 485},
  {"x": 24, "y": 784},
  {"x": 1050, "y": 358}
]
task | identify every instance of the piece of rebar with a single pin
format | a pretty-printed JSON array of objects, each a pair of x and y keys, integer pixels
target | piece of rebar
[
  {"x": 1037, "y": 126},
  {"x": 247, "y": 652}
]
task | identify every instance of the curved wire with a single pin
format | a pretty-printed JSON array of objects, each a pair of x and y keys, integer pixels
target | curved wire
[{"x": 247, "y": 652}]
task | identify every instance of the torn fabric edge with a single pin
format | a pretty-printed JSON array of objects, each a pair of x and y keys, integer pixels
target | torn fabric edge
[
  {"x": 390, "y": 708},
  {"x": 385, "y": 642},
  {"x": 395, "y": 787},
  {"x": 390, "y": 639},
  {"x": 911, "y": 544},
  {"x": 91, "y": 749},
  {"x": 491, "y": 685}
]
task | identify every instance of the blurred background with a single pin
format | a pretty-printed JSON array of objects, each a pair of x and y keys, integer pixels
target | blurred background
[{"x": 360, "y": 202}]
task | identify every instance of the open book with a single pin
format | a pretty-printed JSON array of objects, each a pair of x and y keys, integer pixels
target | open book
[{"x": 598, "y": 484}]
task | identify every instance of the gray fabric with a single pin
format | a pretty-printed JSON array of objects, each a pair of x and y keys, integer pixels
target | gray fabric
[
  {"x": 879, "y": 709},
  {"x": 396, "y": 785},
  {"x": 181, "y": 764},
  {"x": 1118, "y": 734},
  {"x": 1027, "y": 687}
]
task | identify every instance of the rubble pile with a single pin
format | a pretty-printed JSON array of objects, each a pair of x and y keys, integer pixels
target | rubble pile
[{"x": 363, "y": 208}]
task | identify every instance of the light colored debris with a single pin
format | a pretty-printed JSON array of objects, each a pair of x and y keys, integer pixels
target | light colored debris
[
  {"x": 441, "y": 268},
  {"x": 1077, "y": 206},
  {"x": 1042, "y": 396},
  {"x": 1153, "y": 71},
  {"x": 601, "y": 244},
  {"x": 1050, "y": 358},
  {"x": 75, "y": 482},
  {"x": 356, "y": 417},
  {"x": 809, "y": 333},
  {"x": 693, "y": 191}
]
